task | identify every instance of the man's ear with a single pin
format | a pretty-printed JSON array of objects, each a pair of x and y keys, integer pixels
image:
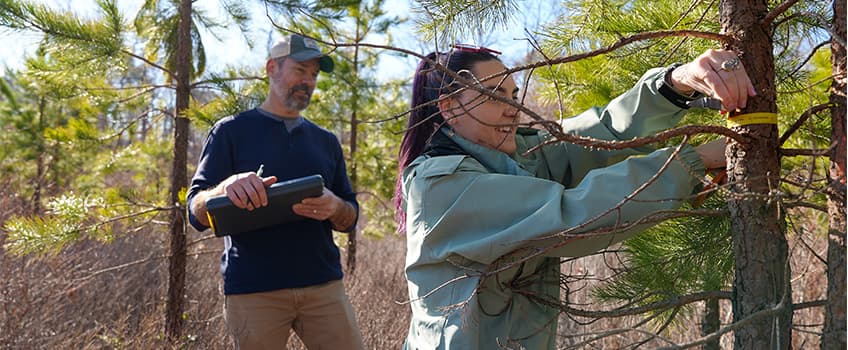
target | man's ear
[{"x": 270, "y": 66}]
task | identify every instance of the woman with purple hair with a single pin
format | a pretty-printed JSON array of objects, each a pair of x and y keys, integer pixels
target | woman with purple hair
[{"x": 486, "y": 222}]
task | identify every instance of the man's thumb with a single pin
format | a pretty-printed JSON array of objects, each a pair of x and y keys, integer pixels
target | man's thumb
[{"x": 268, "y": 181}]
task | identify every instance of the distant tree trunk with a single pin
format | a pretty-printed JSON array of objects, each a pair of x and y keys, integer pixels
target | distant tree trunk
[
  {"x": 177, "y": 257},
  {"x": 710, "y": 323},
  {"x": 354, "y": 124},
  {"x": 39, "y": 165},
  {"x": 833, "y": 336},
  {"x": 759, "y": 242}
]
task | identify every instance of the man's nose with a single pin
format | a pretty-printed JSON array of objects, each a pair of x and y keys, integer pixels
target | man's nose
[{"x": 310, "y": 80}]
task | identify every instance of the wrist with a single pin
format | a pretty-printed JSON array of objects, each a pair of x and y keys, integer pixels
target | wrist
[
  {"x": 672, "y": 78},
  {"x": 344, "y": 217},
  {"x": 666, "y": 89}
]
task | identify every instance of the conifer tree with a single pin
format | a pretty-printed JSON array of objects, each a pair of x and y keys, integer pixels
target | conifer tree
[{"x": 833, "y": 336}]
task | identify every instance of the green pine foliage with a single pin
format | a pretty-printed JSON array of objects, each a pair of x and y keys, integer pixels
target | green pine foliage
[
  {"x": 677, "y": 257},
  {"x": 77, "y": 140},
  {"x": 592, "y": 25},
  {"x": 446, "y": 21}
]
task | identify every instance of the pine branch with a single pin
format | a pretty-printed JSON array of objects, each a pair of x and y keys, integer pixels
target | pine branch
[
  {"x": 688, "y": 130},
  {"x": 800, "y": 121},
  {"x": 777, "y": 11}
]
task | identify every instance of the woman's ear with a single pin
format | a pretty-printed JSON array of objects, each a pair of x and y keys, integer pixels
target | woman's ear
[{"x": 446, "y": 108}]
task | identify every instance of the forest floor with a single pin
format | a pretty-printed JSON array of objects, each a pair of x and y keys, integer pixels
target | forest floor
[{"x": 95, "y": 295}]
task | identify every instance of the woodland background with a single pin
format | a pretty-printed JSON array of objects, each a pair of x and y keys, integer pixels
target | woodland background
[{"x": 103, "y": 125}]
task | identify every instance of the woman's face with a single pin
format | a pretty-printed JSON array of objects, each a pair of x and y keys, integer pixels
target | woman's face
[{"x": 480, "y": 118}]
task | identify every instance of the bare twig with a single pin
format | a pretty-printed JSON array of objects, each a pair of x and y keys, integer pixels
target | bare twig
[
  {"x": 800, "y": 121},
  {"x": 789, "y": 152},
  {"x": 777, "y": 11},
  {"x": 140, "y": 116},
  {"x": 641, "y": 141},
  {"x": 808, "y": 58}
]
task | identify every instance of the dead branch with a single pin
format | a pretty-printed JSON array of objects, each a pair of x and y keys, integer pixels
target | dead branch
[
  {"x": 789, "y": 152},
  {"x": 777, "y": 11},
  {"x": 642, "y": 141},
  {"x": 800, "y": 121}
]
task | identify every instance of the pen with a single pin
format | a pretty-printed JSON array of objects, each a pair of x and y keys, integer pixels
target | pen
[{"x": 259, "y": 171}]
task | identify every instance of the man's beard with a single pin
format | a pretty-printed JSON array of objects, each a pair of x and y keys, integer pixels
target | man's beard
[{"x": 297, "y": 103}]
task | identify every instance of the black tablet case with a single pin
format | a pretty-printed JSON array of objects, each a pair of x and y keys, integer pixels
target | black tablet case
[{"x": 227, "y": 219}]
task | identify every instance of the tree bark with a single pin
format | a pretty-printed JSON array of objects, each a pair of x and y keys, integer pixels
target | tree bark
[
  {"x": 177, "y": 257},
  {"x": 39, "y": 160},
  {"x": 710, "y": 323},
  {"x": 757, "y": 223},
  {"x": 354, "y": 135},
  {"x": 833, "y": 336}
]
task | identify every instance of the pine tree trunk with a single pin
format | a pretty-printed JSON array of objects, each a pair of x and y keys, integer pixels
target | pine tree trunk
[
  {"x": 354, "y": 176},
  {"x": 710, "y": 323},
  {"x": 757, "y": 224},
  {"x": 39, "y": 162},
  {"x": 833, "y": 336},
  {"x": 177, "y": 257}
]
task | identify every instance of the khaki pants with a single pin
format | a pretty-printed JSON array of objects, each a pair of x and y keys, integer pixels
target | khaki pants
[{"x": 321, "y": 315}]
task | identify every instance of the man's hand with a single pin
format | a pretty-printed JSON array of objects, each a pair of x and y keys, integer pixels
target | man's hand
[
  {"x": 241, "y": 189},
  {"x": 247, "y": 190},
  {"x": 328, "y": 206}
]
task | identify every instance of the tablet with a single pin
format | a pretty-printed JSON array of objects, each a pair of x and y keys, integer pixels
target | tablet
[{"x": 227, "y": 219}]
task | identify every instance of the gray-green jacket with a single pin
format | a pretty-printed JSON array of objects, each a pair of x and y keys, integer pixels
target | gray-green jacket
[{"x": 473, "y": 218}]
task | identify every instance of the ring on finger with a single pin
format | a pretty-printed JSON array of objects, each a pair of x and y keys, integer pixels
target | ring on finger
[{"x": 730, "y": 65}]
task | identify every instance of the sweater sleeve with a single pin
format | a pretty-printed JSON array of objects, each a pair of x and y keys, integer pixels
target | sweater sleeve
[
  {"x": 341, "y": 186},
  {"x": 214, "y": 166}
]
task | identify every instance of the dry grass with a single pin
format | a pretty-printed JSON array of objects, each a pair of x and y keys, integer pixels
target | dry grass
[{"x": 70, "y": 302}]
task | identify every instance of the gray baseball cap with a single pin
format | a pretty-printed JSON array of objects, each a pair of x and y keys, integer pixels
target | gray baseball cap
[{"x": 300, "y": 49}]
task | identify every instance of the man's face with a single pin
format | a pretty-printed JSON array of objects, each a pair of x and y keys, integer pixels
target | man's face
[{"x": 293, "y": 82}]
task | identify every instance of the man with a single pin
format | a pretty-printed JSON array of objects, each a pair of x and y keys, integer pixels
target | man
[{"x": 287, "y": 276}]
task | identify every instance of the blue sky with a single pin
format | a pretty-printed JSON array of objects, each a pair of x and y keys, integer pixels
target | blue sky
[{"x": 232, "y": 50}]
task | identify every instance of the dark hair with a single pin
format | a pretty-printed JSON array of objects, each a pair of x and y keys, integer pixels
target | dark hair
[{"x": 425, "y": 119}]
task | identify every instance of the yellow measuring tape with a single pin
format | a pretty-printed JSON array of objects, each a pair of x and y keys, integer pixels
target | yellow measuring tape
[{"x": 752, "y": 118}]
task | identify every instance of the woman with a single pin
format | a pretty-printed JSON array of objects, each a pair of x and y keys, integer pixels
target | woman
[{"x": 486, "y": 224}]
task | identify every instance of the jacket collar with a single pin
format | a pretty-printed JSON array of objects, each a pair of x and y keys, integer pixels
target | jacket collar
[{"x": 447, "y": 142}]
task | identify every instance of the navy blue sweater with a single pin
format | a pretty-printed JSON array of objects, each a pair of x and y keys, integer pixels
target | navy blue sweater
[{"x": 293, "y": 255}]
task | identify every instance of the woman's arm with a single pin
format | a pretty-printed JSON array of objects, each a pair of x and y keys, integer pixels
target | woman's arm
[{"x": 483, "y": 216}]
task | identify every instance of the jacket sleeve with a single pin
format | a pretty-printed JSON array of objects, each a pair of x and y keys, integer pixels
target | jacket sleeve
[
  {"x": 482, "y": 216},
  {"x": 639, "y": 112}
]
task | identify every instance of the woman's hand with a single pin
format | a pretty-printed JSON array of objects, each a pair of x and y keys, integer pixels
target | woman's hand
[
  {"x": 718, "y": 74},
  {"x": 712, "y": 154}
]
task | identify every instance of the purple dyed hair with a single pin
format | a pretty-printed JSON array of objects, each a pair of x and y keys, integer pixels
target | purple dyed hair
[{"x": 425, "y": 119}]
